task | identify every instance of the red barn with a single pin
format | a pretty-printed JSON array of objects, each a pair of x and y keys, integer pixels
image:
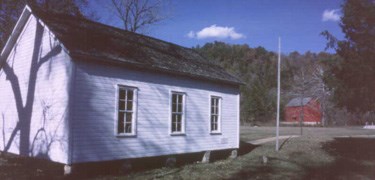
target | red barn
[{"x": 311, "y": 109}]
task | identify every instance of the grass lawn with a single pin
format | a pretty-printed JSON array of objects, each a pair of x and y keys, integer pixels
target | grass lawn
[{"x": 315, "y": 155}]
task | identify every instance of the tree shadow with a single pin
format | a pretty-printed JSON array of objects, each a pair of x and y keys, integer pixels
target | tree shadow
[
  {"x": 24, "y": 106},
  {"x": 270, "y": 170},
  {"x": 354, "y": 158}
]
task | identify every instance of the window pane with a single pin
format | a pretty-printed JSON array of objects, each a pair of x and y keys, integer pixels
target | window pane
[
  {"x": 128, "y": 128},
  {"x": 130, "y": 94},
  {"x": 179, "y": 108},
  {"x": 179, "y": 98},
  {"x": 173, "y": 126},
  {"x": 179, "y": 126},
  {"x": 174, "y": 109},
  {"x": 128, "y": 117},
  {"x": 120, "y": 126},
  {"x": 179, "y": 118},
  {"x": 174, "y": 98},
  {"x": 122, "y": 93},
  {"x": 175, "y": 117},
  {"x": 121, "y": 105},
  {"x": 129, "y": 105},
  {"x": 214, "y": 122}
]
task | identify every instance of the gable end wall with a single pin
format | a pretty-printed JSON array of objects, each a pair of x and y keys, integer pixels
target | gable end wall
[{"x": 42, "y": 70}]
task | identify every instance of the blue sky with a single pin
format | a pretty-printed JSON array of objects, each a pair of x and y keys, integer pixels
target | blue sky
[{"x": 254, "y": 22}]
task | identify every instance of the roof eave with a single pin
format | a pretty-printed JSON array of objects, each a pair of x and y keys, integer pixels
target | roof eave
[{"x": 26, "y": 12}]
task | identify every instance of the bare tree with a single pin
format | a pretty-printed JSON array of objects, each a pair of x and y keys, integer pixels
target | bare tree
[
  {"x": 304, "y": 85},
  {"x": 320, "y": 90},
  {"x": 300, "y": 89},
  {"x": 309, "y": 82},
  {"x": 137, "y": 14}
]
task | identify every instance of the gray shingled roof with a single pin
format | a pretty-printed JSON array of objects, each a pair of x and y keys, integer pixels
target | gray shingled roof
[
  {"x": 89, "y": 40},
  {"x": 297, "y": 102}
]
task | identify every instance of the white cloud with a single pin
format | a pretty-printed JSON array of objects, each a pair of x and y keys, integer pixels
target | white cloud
[
  {"x": 191, "y": 34},
  {"x": 331, "y": 15},
  {"x": 216, "y": 32}
]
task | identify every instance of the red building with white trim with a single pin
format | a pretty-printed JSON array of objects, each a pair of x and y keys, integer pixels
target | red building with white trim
[{"x": 311, "y": 109}]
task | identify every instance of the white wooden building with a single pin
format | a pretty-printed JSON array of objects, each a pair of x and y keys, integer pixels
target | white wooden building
[{"x": 74, "y": 91}]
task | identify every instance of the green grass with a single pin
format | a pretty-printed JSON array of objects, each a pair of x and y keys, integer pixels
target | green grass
[{"x": 315, "y": 155}]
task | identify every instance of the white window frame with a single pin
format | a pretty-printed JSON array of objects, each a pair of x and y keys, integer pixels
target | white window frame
[
  {"x": 219, "y": 105},
  {"x": 183, "y": 113},
  {"x": 134, "y": 111}
]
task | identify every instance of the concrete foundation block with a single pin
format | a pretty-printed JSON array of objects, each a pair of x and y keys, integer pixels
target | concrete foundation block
[
  {"x": 233, "y": 154},
  {"x": 68, "y": 170},
  {"x": 206, "y": 157},
  {"x": 264, "y": 160}
]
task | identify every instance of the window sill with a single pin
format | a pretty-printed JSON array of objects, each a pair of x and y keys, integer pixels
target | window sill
[
  {"x": 125, "y": 135},
  {"x": 178, "y": 134},
  {"x": 215, "y": 133}
]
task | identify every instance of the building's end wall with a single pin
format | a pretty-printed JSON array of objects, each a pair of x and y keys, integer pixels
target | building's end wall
[
  {"x": 94, "y": 119},
  {"x": 34, "y": 95}
]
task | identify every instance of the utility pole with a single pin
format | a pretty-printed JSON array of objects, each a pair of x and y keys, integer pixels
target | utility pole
[
  {"x": 302, "y": 115},
  {"x": 278, "y": 97}
]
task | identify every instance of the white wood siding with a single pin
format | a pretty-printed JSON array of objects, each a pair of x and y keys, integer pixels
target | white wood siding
[
  {"x": 48, "y": 132},
  {"x": 94, "y": 114}
]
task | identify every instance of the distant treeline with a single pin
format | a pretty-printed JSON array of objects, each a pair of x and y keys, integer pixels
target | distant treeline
[{"x": 301, "y": 75}]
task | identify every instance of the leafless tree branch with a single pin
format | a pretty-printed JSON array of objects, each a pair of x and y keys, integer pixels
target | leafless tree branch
[{"x": 137, "y": 14}]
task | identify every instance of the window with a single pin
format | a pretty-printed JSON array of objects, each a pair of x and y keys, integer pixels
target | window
[
  {"x": 215, "y": 114},
  {"x": 126, "y": 110},
  {"x": 177, "y": 113}
]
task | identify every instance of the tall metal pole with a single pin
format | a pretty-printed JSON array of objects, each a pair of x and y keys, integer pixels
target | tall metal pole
[
  {"x": 301, "y": 114},
  {"x": 278, "y": 97}
]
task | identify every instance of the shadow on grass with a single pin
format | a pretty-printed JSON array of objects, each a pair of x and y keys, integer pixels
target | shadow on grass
[
  {"x": 354, "y": 159},
  {"x": 275, "y": 168},
  {"x": 16, "y": 167},
  {"x": 111, "y": 168},
  {"x": 259, "y": 172}
]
